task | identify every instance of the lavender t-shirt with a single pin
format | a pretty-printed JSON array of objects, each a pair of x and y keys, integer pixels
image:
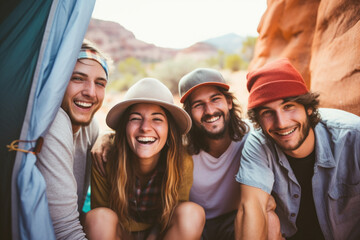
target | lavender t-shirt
[{"x": 214, "y": 186}]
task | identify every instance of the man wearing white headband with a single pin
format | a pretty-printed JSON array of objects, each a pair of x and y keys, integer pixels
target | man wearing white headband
[{"x": 65, "y": 158}]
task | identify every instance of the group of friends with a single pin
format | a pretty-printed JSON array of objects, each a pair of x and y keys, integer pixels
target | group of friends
[{"x": 290, "y": 171}]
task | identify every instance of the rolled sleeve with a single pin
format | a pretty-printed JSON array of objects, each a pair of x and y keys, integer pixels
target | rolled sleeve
[{"x": 254, "y": 168}]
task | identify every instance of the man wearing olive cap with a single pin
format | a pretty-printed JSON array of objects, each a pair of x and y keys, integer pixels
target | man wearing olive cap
[
  {"x": 64, "y": 160},
  {"x": 215, "y": 142},
  {"x": 307, "y": 158}
]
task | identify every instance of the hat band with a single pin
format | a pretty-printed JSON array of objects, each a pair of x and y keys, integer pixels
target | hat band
[{"x": 88, "y": 54}]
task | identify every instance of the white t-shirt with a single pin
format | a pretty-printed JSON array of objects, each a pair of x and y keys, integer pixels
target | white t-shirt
[{"x": 214, "y": 186}]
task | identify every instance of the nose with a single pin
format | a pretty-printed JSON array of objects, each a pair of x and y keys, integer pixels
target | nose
[
  {"x": 145, "y": 125},
  {"x": 280, "y": 119},
  {"x": 209, "y": 109},
  {"x": 90, "y": 89}
]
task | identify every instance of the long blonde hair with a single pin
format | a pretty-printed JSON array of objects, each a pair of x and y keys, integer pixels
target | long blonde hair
[{"x": 122, "y": 176}]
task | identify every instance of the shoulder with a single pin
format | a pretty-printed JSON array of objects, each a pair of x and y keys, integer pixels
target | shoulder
[
  {"x": 60, "y": 130},
  {"x": 188, "y": 163},
  {"x": 338, "y": 123},
  {"x": 91, "y": 132},
  {"x": 255, "y": 137},
  {"x": 61, "y": 121},
  {"x": 339, "y": 118}
]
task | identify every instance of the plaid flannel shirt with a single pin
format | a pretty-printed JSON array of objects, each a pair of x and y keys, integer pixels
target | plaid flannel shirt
[{"x": 145, "y": 203}]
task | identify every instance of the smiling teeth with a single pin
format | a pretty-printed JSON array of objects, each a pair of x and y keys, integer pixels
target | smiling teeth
[
  {"x": 146, "y": 139},
  {"x": 286, "y": 133},
  {"x": 213, "y": 119},
  {"x": 83, "y": 104}
]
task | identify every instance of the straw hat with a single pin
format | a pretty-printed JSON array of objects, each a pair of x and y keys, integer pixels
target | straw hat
[
  {"x": 149, "y": 90},
  {"x": 200, "y": 77}
]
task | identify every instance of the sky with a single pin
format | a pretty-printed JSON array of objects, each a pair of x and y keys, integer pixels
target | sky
[{"x": 181, "y": 23}]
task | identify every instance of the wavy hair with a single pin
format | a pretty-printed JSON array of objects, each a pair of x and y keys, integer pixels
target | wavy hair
[
  {"x": 122, "y": 175},
  {"x": 237, "y": 127},
  {"x": 308, "y": 100}
]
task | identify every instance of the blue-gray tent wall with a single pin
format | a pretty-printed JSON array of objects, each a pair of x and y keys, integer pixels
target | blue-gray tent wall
[
  {"x": 20, "y": 39},
  {"x": 43, "y": 60}
]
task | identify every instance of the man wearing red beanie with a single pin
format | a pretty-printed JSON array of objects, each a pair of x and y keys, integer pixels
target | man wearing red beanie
[{"x": 307, "y": 158}]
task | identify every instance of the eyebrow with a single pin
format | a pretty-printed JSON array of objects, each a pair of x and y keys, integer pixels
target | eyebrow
[
  {"x": 212, "y": 96},
  {"x": 85, "y": 75}
]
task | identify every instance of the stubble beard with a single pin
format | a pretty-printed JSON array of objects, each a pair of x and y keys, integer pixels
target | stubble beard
[{"x": 305, "y": 133}]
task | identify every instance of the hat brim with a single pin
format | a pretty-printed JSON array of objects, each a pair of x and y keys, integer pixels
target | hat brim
[
  {"x": 216, "y": 84},
  {"x": 180, "y": 116}
]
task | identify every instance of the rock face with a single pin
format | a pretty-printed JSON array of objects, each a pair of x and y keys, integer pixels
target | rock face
[{"x": 322, "y": 40}]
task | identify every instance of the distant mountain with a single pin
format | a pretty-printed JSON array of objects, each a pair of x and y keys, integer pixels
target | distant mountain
[
  {"x": 229, "y": 43},
  {"x": 120, "y": 43}
]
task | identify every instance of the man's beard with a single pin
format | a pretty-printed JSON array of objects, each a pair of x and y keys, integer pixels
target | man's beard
[
  {"x": 304, "y": 133},
  {"x": 218, "y": 135}
]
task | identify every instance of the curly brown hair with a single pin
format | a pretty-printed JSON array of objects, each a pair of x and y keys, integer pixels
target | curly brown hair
[
  {"x": 309, "y": 101},
  {"x": 237, "y": 127}
]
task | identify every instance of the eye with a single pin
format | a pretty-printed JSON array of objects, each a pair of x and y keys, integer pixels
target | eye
[
  {"x": 76, "y": 78},
  {"x": 134, "y": 118},
  {"x": 158, "y": 120},
  {"x": 101, "y": 83},
  {"x": 215, "y": 99},
  {"x": 197, "y": 105},
  {"x": 266, "y": 113},
  {"x": 289, "y": 106}
]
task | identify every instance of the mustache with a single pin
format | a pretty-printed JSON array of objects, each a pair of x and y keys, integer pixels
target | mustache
[
  {"x": 283, "y": 129},
  {"x": 208, "y": 116}
]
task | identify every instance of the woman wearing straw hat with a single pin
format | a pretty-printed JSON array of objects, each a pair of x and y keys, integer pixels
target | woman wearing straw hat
[{"x": 148, "y": 181}]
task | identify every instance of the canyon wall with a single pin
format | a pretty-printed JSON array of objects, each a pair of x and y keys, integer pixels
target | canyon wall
[{"x": 322, "y": 40}]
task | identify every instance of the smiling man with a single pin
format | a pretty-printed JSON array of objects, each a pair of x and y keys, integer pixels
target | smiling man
[
  {"x": 65, "y": 160},
  {"x": 307, "y": 158},
  {"x": 215, "y": 142}
]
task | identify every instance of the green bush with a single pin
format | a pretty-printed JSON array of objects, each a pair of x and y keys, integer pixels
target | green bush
[
  {"x": 170, "y": 72},
  {"x": 234, "y": 62}
]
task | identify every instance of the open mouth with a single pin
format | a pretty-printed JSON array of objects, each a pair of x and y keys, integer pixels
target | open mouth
[
  {"x": 146, "y": 140},
  {"x": 83, "y": 104},
  {"x": 286, "y": 133},
  {"x": 212, "y": 119}
]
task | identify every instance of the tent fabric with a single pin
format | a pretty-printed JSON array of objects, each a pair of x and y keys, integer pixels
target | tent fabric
[
  {"x": 20, "y": 39},
  {"x": 40, "y": 41},
  {"x": 62, "y": 41}
]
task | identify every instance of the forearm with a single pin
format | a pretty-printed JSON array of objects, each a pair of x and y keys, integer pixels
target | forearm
[{"x": 250, "y": 223}]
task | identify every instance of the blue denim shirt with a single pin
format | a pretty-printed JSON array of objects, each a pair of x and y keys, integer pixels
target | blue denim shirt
[{"x": 335, "y": 183}]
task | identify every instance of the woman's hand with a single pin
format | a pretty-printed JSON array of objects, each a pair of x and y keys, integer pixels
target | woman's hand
[{"x": 100, "y": 151}]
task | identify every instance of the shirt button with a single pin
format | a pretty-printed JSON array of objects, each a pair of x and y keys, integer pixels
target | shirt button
[
  {"x": 293, "y": 214},
  {"x": 296, "y": 195}
]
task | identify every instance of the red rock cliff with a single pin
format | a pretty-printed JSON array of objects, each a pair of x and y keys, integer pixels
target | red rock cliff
[{"x": 322, "y": 39}]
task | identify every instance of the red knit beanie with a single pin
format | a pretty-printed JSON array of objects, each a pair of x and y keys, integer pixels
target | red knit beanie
[{"x": 276, "y": 80}]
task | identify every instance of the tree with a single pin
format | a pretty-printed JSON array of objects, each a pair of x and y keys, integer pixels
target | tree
[
  {"x": 248, "y": 47},
  {"x": 234, "y": 62}
]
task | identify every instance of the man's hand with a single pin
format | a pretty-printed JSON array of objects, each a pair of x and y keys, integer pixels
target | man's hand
[
  {"x": 100, "y": 151},
  {"x": 274, "y": 232}
]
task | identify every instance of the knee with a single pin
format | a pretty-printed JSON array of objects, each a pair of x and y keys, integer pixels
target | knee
[
  {"x": 101, "y": 223},
  {"x": 190, "y": 217},
  {"x": 101, "y": 216}
]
